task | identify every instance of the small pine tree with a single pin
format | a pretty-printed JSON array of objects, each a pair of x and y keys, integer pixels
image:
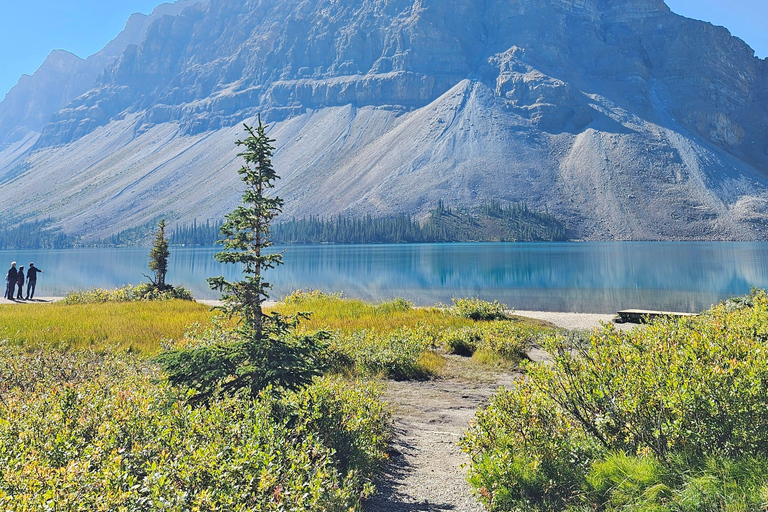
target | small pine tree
[
  {"x": 264, "y": 351},
  {"x": 158, "y": 257}
]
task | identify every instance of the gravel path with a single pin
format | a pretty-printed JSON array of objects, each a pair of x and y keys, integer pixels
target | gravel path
[{"x": 426, "y": 470}]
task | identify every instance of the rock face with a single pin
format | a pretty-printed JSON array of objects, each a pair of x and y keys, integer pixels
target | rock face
[
  {"x": 621, "y": 117},
  {"x": 63, "y": 77}
]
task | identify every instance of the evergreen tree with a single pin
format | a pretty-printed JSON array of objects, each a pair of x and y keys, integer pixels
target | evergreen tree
[
  {"x": 158, "y": 257},
  {"x": 264, "y": 350},
  {"x": 246, "y": 233}
]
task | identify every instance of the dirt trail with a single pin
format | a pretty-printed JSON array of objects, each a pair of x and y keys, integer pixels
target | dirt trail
[{"x": 426, "y": 473}]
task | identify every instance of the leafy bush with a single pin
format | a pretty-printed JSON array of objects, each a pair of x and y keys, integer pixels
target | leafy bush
[
  {"x": 478, "y": 309},
  {"x": 525, "y": 453},
  {"x": 128, "y": 293},
  {"x": 462, "y": 342},
  {"x": 93, "y": 436},
  {"x": 396, "y": 355},
  {"x": 497, "y": 339},
  {"x": 302, "y": 297},
  {"x": 680, "y": 403}
]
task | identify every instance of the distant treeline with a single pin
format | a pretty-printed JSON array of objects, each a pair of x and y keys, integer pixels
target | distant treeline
[
  {"x": 196, "y": 233},
  {"x": 490, "y": 222},
  {"x": 33, "y": 235}
]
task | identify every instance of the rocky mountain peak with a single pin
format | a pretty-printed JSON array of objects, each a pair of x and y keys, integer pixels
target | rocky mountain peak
[
  {"x": 618, "y": 115},
  {"x": 64, "y": 76}
]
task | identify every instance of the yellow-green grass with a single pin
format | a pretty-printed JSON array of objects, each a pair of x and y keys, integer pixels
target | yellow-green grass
[
  {"x": 335, "y": 313},
  {"x": 404, "y": 341},
  {"x": 135, "y": 326}
]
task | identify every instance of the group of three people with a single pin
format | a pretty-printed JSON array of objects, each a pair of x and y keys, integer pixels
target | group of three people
[{"x": 15, "y": 278}]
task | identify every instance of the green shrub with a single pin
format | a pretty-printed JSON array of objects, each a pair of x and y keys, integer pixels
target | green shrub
[
  {"x": 502, "y": 339},
  {"x": 227, "y": 359},
  {"x": 526, "y": 454},
  {"x": 644, "y": 413},
  {"x": 104, "y": 437},
  {"x": 462, "y": 342},
  {"x": 398, "y": 305},
  {"x": 303, "y": 297},
  {"x": 478, "y": 309},
  {"x": 394, "y": 355},
  {"x": 349, "y": 419},
  {"x": 128, "y": 293}
]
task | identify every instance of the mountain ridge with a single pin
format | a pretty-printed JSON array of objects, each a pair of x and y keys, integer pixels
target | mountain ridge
[{"x": 618, "y": 116}]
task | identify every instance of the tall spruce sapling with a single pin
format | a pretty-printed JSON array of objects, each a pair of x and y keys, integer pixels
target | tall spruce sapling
[{"x": 264, "y": 351}]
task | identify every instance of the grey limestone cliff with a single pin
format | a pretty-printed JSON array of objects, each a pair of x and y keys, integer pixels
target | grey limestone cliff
[
  {"x": 619, "y": 116},
  {"x": 64, "y": 76}
]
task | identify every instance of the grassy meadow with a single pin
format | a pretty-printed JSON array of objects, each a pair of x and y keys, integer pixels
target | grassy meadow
[
  {"x": 87, "y": 420},
  {"x": 669, "y": 417},
  {"x": 120, "y": 326}
]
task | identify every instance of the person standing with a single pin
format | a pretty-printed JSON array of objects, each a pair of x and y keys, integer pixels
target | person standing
[
  {"x": 20, "y": 283},
  {"x": 32, "y": 280},
  {"x": 10, "y": 280}
]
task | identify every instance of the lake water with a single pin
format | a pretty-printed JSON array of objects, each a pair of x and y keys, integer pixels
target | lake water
[{"x": 577, "y": 277}]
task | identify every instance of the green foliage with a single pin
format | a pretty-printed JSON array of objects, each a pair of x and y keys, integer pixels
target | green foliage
[
  {"x": 245, "y": 234},
  {"x": 526, "y": 454},
  {"x": 349, "y": 230},
  {"x": 128, "y": 293},
  {"x": 395, "y": 355},
  {"x": 503, "y": 339},
  {"x": 478, "y": 309},
  {"x": 397, "y": 340},
  {"x": 224, "y": 362},
  {"x": 349, "y": 419},
  {"x": 622, "y": 480},
  {"x": 83, "y": 431},
  {"x": 158, "y": 257},
  {"x": 263, "y": 351},
  {"x": 492, "y": 222},
  {"x": 657, "y": 418},
  {"x": 489, "y": 222},
  {"x": 196, "y": 233},
  {"x": 462, "y": 342},
  {"x": 33, "y": 235}
]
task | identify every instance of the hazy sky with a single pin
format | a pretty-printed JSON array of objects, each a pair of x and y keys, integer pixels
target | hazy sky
[{"x": 30, "y": 29}]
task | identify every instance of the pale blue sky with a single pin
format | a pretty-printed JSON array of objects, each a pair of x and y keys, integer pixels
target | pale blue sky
[{"x": 30, "y": 29}]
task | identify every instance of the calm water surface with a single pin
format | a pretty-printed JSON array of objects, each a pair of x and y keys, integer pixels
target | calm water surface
[{"x": 579, "y": 277}]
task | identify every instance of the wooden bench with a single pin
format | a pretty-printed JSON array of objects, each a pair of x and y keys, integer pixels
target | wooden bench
[{"x": 642, "y": 315}]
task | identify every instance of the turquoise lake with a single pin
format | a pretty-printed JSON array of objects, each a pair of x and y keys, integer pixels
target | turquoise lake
[{"x": 599, "y": 277}]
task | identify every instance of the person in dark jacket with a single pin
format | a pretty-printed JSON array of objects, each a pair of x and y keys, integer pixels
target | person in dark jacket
[
  {"x": 32, "y": 280},
  {"x": 20, "y": 283},
  {"x": 10, "y": 281}
]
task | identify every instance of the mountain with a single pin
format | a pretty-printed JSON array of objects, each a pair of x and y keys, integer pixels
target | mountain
[
  {"x": 64, "y": 76},
  {"x": 618, "y": 116}
]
